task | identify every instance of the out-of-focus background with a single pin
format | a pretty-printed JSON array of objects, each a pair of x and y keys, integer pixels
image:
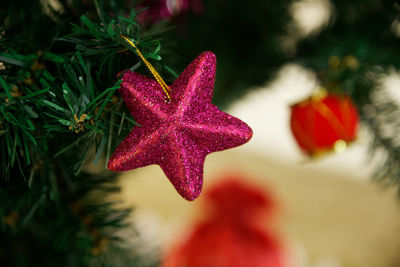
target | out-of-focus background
[{"x": 328, "y": 211}]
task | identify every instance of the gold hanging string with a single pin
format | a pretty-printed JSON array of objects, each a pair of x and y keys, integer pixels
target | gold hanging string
[{"x": 157, "y": 76}]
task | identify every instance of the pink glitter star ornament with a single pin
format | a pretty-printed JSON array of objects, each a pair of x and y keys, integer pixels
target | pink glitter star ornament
[{"x": 177, "y": 135}]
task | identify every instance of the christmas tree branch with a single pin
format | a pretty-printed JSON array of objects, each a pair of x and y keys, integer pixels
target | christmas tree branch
[
  {"x": 73, "y": 92},
  {"x": 59, "y": 110}
]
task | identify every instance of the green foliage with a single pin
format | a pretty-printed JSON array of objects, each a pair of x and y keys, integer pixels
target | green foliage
[
  {"x": 57, "y": 220},
  {"x": 59, "y": 110},
  {"x": 70, "y": 94}
]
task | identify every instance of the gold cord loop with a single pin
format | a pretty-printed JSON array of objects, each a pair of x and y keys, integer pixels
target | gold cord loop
[{"x": 157, "y": 76}]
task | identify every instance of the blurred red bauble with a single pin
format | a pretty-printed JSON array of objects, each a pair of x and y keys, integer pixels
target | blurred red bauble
[
  {"x": 233, "y": 233},
  {"x": 324, "y": 123}
]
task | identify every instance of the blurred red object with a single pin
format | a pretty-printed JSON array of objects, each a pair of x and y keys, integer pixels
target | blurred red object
[
  {"x": 232, "y": 235},
  {"x": 323, "y": 123}
]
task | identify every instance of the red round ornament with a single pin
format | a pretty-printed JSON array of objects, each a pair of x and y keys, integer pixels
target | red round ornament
[{"x": 320, "y": 124}]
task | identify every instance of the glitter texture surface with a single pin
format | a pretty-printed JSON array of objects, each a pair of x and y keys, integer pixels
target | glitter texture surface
[{"x": 177, "y": 135}]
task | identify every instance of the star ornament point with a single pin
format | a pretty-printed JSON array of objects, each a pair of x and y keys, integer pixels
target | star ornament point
[{"x": 177, "y": 135}]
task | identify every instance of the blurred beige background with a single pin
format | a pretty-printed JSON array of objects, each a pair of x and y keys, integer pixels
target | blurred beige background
[{"x": 329, "y": 214}]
